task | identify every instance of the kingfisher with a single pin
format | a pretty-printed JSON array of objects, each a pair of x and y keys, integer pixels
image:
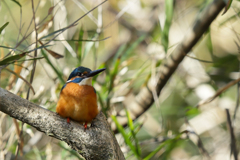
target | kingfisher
[{"x": 78, "y": 99}]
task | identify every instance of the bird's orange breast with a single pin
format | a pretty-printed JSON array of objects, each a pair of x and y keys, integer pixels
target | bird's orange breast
[{"x": 78, "y": 103}]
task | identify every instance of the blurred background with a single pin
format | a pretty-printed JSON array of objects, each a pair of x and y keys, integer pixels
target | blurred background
[{"x": 130, "y": 38}]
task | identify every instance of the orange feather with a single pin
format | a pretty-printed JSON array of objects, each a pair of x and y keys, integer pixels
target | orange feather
[{"x": 78, "y": 102}]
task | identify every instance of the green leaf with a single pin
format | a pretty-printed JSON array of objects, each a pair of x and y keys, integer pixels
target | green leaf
[
  {"x": 80, "y": 37},
  {"x": 112, "y": 77},
  {"x": 5, "y": 25},
  {"x": 170, "y": 142},
  {"x": 192, "y": 112},
  {"x": 119, "y": 52},
  {"x": 155, "y": 151},
  {"x": 133, "y": 46},
  {"x": 132, "y": 129},
  {"x": 130, "y": 122},
  {"x": 17, "y": 3},
  {"x": 209, "y": 41},
  {"x": 31, "y": 59},
  {"x": 124, "y": 134},
  {"x": 6, "y": 47},
  {"x": 12, "y": 59},
  {"x": 169, "y": 4}
]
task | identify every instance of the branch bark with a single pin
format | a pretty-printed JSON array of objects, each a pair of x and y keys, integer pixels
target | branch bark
[
  {"x": 144, "y": 100},
  {"x": 97, "y": 142}
]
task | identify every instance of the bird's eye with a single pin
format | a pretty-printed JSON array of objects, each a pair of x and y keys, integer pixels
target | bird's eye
[{"x": 80, "y": 74}]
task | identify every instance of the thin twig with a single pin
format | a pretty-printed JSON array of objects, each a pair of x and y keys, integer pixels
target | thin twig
[
  {"x": 84, "y": 9},
  {"x": 84, "y": 40},
  {"x": 35, "y": 52},
  {"x": 199, "y": 141},
  {"x": 20, "y": 26},
  {"x": 73, "y": 24},
  {"x": 220, "y": 91},
  {"x": 234, "y": 150},
  {"x": 32, "y": 75},
  {"x": 20, "y": 143}
]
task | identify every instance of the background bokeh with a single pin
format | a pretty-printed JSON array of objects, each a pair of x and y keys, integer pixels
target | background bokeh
[{"x": 130, "y": 38}]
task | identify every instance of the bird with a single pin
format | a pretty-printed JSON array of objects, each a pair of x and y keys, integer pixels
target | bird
[{"x": 78, "y": 99}]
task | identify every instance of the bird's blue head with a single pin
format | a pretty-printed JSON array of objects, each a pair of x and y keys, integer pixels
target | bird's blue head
[{"x": 82, "y": 75}]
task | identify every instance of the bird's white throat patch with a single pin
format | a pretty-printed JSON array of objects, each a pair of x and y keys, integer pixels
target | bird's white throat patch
[{"x": 86, "y": 81}]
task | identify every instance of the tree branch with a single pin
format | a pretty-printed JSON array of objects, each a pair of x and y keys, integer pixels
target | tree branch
[
  {"x": 97, "y": 142},
  {"x": 145, "y": 99}
]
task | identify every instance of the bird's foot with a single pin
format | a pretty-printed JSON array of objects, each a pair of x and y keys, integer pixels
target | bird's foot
[
  {"x": 68, "y": 120},
  {"x": 85, "y": 126}
]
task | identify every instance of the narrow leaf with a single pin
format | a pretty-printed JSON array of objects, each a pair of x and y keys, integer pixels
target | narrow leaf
[
  {"x": 169, "y": 14},
  {"x": 209, "y": 41},
  {"x": 6, "y": 47},
  {"x": 131, "y": 127},
  {"x": 54, "y": 54},
  {"x": 163, "y": 144},
  {"x": 133, "y": 46},
  {"x": 80, "y": 37},
  {"x": 155, "y": 151},
  {"x": 227, "y": 6},
  {"x": 12, "y": 58},
  {"x": 17, "y": 3},
  {"x": 124, "y": 134},
  {"x": 5, "y": 25},
  {"x": 31, "y": 59},
  {"x": 50, "y": 10}
]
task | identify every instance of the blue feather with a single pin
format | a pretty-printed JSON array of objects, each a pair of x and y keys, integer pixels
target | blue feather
[{"x": 76, "y": 80}]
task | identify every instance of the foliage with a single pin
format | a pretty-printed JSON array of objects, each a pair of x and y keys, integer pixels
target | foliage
[{"x": 130, "y": 39}]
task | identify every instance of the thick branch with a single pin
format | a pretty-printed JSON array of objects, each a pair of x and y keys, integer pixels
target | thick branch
[
  {"x": 145, "y": 98},
  {"x": 97, "y": 142}
]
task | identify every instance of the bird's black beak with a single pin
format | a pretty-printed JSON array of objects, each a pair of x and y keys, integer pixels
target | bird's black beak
[{"x": 93, "y": 73}]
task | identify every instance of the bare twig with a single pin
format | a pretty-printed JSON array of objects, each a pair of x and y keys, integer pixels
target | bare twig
[
  {"x": 35, "y": 52},
  {"x": 60, "y": 31},
  {"x": 234, "y": 150},
  {"x": 220, "y": 91},
  {"x": 199, "y": 142},
  {"x": 20, "y": 143}
]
